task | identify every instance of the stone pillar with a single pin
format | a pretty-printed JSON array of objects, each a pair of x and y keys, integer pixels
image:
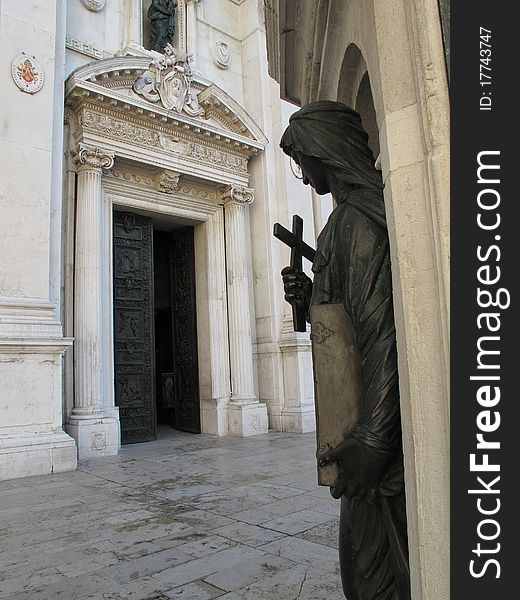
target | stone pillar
[
  {"x": 297, "y": 412},
  {"x": 134, "y": 23},
  {"x": 191, "y": 28},
  {"x": 246, "y": 415},
  {"x": 95, "y": 433},
  {"x": 215, "y": 415}
]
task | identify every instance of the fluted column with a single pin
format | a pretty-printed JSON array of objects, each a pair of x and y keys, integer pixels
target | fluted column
[
  {"x": 191, "y": 27},
  {"x": 215, "y": 418},
  {"x": 93, "y": 431},
  {"x": 220, "y": 370},
  {"x": 240, "y": 339},
  {"x": 87, "y": 280},
  {"x": 134, "y": 22}
]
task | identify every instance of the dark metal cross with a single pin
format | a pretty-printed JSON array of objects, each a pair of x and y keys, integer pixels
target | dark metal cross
[{"x": 299, "y": 249}]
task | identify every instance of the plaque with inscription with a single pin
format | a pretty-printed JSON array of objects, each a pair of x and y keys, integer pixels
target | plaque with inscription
[{"x": 336, "y": 367}]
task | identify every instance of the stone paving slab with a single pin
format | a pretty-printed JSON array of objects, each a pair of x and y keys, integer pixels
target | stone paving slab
[{"x": 189, "y": 517}]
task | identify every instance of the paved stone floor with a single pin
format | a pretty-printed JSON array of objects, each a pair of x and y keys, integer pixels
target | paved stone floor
[{"x": 186, "y": 517}]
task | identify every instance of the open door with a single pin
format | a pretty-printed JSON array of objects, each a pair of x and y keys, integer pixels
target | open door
[
  {"x": 184, "y": 324},
  {"x": 134, "y": 367}
]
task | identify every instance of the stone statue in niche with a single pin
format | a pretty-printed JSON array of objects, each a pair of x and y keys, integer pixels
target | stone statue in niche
[
  {"x": 168, "y": 79},
  {"x": 162, "y": 23},
  {"x": 349, "y": 304}
]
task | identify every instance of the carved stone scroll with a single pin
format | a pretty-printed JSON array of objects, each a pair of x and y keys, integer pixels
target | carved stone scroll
[
  {"x": 94, "y": 5},
  {"x": 237, "y": 194},
  {"x": 94, "y": 157}
]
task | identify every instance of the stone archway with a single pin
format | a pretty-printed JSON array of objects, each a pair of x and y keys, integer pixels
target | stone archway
[{"x": 354, "y": 89}]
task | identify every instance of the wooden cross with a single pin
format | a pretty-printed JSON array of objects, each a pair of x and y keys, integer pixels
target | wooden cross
[{"x": 299, "y": 249}]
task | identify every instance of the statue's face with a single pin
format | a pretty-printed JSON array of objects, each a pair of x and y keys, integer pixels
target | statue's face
[{"x": 314, "y": 172}]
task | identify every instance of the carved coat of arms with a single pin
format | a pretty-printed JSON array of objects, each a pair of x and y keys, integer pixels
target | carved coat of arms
[
  {"x": 168, "y": 79},
  {"x": 27, "y": 73}
]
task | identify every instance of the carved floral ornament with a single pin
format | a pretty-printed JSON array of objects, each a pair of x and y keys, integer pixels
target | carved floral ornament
[
  {"x": 94, "y": 5},
  {"x": 168, "y": 182},
  {"x": 91, "y": 156}
]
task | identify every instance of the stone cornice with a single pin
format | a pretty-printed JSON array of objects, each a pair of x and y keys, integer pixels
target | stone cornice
[{"x": 35, "y": 345}]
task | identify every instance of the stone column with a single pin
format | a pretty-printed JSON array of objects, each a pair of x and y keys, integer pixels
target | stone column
[
  {"x": 134, "y": 22},
  {"x": 191, "y": 28},
  {"x": 247, "y": 416},
  {"x": 94, "y": 432},
  {"x": 216, "y": 417}
]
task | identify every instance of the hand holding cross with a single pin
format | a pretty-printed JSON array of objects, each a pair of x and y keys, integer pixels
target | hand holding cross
[{"x": 299, "y": 249}]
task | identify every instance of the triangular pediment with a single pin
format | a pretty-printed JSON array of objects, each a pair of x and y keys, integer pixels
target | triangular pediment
[{"x": 111, "y": 82}]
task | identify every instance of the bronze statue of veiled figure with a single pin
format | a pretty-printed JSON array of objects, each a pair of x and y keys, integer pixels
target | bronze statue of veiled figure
[
  {"x": 352, "y": 268},
  {"x": 162, "y": 23}
]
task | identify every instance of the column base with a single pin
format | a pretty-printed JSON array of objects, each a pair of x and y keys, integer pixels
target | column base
[
  {"x": 95, "y": 437},
  {"x": 214, "y": 418},
  {"x": 299, "y": 419},
  {"x": 247, "y": 418},
  {"x": 36, "y": 454}
]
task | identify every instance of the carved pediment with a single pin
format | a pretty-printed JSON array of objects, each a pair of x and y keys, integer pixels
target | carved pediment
[{"x": 120, "y": 83}]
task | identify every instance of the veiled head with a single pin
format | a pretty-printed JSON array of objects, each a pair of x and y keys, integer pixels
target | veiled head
[{"x": 332, "y": 134}]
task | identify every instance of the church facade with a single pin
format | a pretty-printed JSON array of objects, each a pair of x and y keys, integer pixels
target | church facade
[
  {"x": 139, "y": 278},
  {"x": 140, "y": 281}
]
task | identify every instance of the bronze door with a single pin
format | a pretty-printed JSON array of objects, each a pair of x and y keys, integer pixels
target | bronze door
[
  {"x": 133, "y": 327},
  {"x": 186, "y": 380}
]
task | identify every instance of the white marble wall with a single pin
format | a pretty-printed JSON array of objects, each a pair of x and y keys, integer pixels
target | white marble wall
[
  {"x": 283, "y": 358},
  {"x": 31, "y": 342}
]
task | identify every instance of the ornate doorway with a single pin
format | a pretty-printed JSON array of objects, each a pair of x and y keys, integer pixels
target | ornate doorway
[{"x": 155, "y": 348}]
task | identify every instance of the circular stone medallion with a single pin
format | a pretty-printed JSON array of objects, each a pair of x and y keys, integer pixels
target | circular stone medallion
[
  {"x": 27, "y": 73},
  {"x": 95, "y": 5}
]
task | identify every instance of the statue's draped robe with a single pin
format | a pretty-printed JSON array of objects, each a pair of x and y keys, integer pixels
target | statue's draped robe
[{"x": 352, "y": 266}]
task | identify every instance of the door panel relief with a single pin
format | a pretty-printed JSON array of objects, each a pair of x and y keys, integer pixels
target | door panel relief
[
  {"x": 133, "y": 327},
  {"x": 187, "y": 402}
]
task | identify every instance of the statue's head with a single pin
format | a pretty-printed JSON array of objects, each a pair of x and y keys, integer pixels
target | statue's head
[
  {"x": 314, "y": 171},
  {"x": 328, "y": 141}
]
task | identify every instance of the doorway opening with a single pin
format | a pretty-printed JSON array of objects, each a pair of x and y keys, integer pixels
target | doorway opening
[{"x": 155, "y": 334}]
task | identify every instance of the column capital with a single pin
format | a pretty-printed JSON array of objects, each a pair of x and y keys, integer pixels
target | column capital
[
  {"x": 232, "y": 194},
  {"x": 192, "y": 1},
  {"x": 93, "y": 157}
]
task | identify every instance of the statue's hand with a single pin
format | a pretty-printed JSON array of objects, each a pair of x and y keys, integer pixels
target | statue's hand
[
  {"x": 360, "y": 469},
  {"x": 297, "y": 286}
]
